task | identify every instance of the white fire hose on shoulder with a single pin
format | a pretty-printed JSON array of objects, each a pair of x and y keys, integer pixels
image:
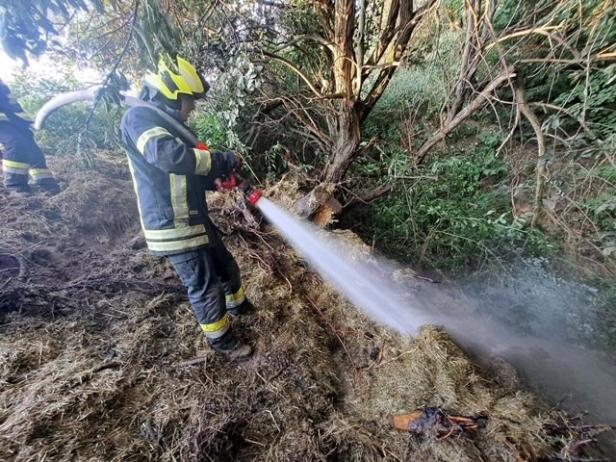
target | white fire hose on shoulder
[
  {"x": 234, "y": 180},
  {"x": 91, "y": 94}
]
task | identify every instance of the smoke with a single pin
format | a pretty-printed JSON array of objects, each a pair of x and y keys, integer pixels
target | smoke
[{"x": 525, "y": 316}]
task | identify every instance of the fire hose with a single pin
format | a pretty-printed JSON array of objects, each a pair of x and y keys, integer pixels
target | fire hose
[{"x": 231, "y": 181}]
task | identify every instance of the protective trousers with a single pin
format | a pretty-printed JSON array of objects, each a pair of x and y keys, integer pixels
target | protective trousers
[
  {"x": 212, "y": 278},
  {"x": 21, "y": 156}
]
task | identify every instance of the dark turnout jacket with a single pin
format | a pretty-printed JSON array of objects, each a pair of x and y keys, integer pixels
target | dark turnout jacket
[
  {"x": 10, "y": 109},
  {"x": 170, "y": 176}
]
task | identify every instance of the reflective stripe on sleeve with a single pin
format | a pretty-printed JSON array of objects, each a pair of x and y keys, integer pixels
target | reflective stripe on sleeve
[
  {"x": 173, "y": 234},
  {"x": 146, "y": 136},
  {"x": 17, "y": 168},
  {"x": 217, "y": 329},
  {"x": 236, "y": 299},
  {"x": 177, "y": 245},
  {"x": 179, "y": 199},
  {"x": 131, "y": 167},
  {"x": 40, "y": 173},
  {"x": 203, "y": 163}
]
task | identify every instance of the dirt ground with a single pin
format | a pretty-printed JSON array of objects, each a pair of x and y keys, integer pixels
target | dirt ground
[{"x": 97, "y": 339}]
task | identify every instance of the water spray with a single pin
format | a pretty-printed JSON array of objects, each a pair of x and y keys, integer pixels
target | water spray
[{"x": 369, "y": 282}]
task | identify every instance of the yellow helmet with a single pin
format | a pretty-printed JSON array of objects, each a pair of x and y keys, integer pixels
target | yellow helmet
[{"x": 183, "y": 79}]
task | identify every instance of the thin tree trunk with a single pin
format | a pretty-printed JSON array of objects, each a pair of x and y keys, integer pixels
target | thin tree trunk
[
  {"x": 527, "y": 112},
  {"x": 463, "y": 76},
  {"x": 346, "y": 142}
]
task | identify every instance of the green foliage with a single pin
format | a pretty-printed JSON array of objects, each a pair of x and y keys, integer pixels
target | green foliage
[
  {"x": 603, "y": 209},
  {"x": 454, "y": 213},
  {"x": 591, "y": 98},
  {"x": 606, "y": 172},
  {"x": 61, "y": 132},
  {"x": 154, "y": 34},
  {"x": 211, "y": 129},
  {"x": 463, "y": 132},
  {"x": 578, "y": 80},
  {"x": 25, "y": 26},
  {"x": 454, "y": 10}
]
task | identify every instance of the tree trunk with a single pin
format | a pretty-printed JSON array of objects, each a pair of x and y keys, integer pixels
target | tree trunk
[
  {"x": 347, "y": 137},
  {"x": 319, "y": 205},
  {"x": 540, "y": 171}
]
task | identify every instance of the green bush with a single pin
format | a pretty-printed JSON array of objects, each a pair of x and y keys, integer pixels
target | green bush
[
  {"x": 453, "y": 214},
  {"x": 60, "y": 135},
  {"x": 210, "y": 129}
]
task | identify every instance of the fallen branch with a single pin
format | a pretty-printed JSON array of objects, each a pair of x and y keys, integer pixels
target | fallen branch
[
  {"x": 332, "y": 329},
  {"x": 190, "y": 362},
  {"x": 469, "y": 110},
  {"x": 369, "y": 196}
]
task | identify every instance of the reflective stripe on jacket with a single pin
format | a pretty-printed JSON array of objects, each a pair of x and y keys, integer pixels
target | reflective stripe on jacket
[{"x": 170, "y": 177}]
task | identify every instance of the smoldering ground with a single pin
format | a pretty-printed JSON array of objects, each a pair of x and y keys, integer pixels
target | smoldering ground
[
  {"x": 98, "y": 347},
  {"x": 536, "y": 320}
]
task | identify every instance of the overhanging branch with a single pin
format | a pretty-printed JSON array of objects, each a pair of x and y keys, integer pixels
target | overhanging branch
[
  {"x": 469, "y": 110},
  {"x": 295, "y": 69}
]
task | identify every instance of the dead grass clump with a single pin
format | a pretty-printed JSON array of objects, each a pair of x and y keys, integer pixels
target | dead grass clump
[
  {"x": 288, "y": 190},
  {"x": 432, "y": 371},
  {"x": 102, "y": 204},
  {"x": 101, "y": 358}
]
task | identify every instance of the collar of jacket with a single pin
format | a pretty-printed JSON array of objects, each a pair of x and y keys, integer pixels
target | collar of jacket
[
  {"x": 175, "y": 113},
  {"x": 152, "y": 96}
]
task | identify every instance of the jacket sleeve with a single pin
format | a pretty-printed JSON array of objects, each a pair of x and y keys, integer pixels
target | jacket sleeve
[
  {"x": 169, "y": 153},
  {"x": 8, "y": 104}
]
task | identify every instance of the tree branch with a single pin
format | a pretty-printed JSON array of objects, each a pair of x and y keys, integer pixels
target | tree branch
[
  {"x": 469, "y": 110},
  {"x": 330, "y": 46},
  {"x": 295, "y": 69},
  {"x": 368, "y": 197},
  {"x": 527, "y": 112},
  {"x": 400, "y": 47}
]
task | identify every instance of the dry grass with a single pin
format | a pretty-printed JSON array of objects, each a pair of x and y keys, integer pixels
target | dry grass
[{"x": 92, "y": 336}]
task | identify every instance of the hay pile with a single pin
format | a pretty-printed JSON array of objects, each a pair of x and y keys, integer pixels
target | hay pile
[{"x": 95, "y": 336}]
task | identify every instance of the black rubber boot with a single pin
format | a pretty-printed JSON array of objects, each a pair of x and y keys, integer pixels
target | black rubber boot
[
  {"x": 243, "y": 309},
  {"x": 48, "y": 185},
  {"x": 231, "y": 347},
  {"x": 19, "y": 191},
  {"x": 16, "y": 184}
]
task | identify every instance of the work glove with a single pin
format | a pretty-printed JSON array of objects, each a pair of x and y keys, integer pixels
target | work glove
[{"x": 225, "y": 162}]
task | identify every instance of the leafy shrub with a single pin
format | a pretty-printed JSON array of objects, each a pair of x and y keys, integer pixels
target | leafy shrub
[
  {"x": 210, "y": 129},
  {"x": 452, "y": 214},
  {"x": 60, "y": 134}
]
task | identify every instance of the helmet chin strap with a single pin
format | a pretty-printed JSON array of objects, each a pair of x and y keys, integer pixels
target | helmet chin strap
[{"x": 90, "y": 94}]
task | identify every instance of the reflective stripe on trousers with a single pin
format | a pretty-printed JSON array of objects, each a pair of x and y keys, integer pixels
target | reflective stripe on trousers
[
  {"x": 234, "y": 300},
  {"x": 197, "y": 271},
  {"x": 215, "y": 330},
  {"x": 40, "y": 174},
  {"x": 17, "y": 168}
]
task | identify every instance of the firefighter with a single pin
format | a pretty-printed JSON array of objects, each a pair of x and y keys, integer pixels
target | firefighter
[
  {"x": 170, "y": 176},
  {"x": 21, "y": 154}
]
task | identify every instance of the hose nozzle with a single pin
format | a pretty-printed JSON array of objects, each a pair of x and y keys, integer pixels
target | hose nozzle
[{"x": 254, "y": 196}]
